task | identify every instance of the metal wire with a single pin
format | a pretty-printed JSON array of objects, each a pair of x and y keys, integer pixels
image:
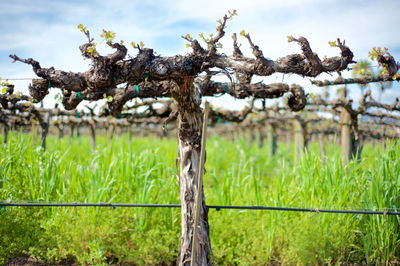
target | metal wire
[
  {"x": 80, "y": 204},
  {"x": 217, "y": 207}
]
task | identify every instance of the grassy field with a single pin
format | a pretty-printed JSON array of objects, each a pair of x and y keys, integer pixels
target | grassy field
[{"x": 238, "y": 173}]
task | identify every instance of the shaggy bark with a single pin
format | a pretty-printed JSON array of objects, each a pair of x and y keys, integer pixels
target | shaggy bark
[
  {"x": 189, "y": 146},
  {"x": 148, "y": 75},
  {"x": 390, "y": 73},
  {"x": 153, "y": 73},
  {"x": 364, "y": 80}
]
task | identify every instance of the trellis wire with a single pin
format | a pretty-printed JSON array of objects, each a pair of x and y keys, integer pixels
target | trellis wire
[{"x": 217, "y": 207}]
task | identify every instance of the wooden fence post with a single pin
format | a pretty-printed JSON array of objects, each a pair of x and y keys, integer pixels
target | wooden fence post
[
  {"x": 345, "y": 136},
  {"x": 345, "y": 131},
  {"x": 299, "y": 140}
]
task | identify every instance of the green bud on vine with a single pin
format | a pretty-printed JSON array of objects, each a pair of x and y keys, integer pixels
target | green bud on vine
[
  {"x": 333, "y": 44},
  {"x": 108, "y": 36},
  {"x": 231, "y": 14},
  {"x": 92, "y": 49},
  {"x": 377, "y": 51}
]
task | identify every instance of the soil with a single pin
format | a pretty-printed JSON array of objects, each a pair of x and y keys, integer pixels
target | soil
[{"x": 26, "y": 261}]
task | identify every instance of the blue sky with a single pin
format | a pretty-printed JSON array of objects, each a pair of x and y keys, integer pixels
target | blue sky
[{"x": 47, "y": 30}]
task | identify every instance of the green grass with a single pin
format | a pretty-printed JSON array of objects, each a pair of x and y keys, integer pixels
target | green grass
[{"x": 143, "y": 171}]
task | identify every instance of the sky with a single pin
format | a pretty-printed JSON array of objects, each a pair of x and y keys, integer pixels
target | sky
[{"x": 47, "y": 32}]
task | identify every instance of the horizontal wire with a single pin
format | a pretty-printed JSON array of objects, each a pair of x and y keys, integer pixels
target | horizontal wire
[
  {"x": 217, "y": 207},
  {"x": 323, "y": 207}
]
